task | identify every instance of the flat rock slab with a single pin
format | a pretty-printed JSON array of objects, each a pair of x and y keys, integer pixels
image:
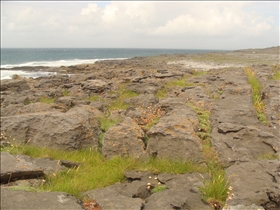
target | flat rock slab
[
  {"x": 19, "y": 200},
  {"x": 15, "y": 168}
]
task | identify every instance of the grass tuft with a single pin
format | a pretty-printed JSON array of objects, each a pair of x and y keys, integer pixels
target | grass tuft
[
  {"x": 95, "y": 171},
  {"x": 159, "y": 188},
  {"x": 256, "y": 94},
  {"x": 46, "y": 100}
]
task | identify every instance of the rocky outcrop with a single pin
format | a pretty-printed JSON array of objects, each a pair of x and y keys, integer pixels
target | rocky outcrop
[
  {"x": 174, "y": 136},
  {"x": 181, "y": 192},
  {"x": 125, "y": 139},
  {"x": 19, "y": 199},
  {"x": 74, "y": 129},
  {"x": 17, "y": 85}
]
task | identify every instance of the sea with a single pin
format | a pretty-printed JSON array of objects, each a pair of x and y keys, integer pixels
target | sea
[{"x": 13, "y": 60}]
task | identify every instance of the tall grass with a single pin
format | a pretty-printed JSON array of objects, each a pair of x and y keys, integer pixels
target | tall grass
[
  {"x": 97, "y": 172},
  {"x": 256, "y": 95},
  {"x": 216, "y": 186}
]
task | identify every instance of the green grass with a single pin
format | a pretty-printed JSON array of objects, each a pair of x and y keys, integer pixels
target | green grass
[
  {"x": 105, "y": 124},
  {"x": 159, "y": 188},
  {"x": 173, "y": 83},
  {"x": 93, "y": 98},
  {"x": 256, "y": 94},
  {"x": 95, "y": 171},
  {"x": 276, "y": 72},
  {"x": 46, "y": 100},
  {"x": 216, "y": 186},
  {"x": 65, "y": 93},
  {"x": 123, "y": 94},
  {"x": 268, "y": 156}
]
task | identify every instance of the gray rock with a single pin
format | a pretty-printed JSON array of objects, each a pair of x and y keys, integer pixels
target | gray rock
[
  {"x": 124, "y": 139},
  {"x": 243, "y": 207},
  {"x": 143, "y": 100},
  {"x": 19, "y": 200},
  {"x": 174, "y": 136},
  {"x": 74, "y": 129},
  {"x": 15, "y": 85},
  {"x": 109, "y": 198},
  {"x": 145, "y": 87},
  {"x": 251, "y": 181},
  {"x": 94, "y": 86},
  {"x": 17, "y": 168}
]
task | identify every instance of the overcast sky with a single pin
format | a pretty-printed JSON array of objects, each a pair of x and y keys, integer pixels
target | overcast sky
[{"x": 140, "y": 24}]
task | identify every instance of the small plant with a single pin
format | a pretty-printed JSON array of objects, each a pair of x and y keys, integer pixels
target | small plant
[
  {"x": 46, "y": 100},
  {"x": 65, "y": 93},
  {"x": 256, "y": 92},
  {"x": 268, "y": 156},
  {"x": 97, "y": 172},
  {"x": 276, "y": 72},
  {"x": 105, "y": 124},
  {"x": 93, "y": 98},
  {"x": 123, "y": 94},
  {"x": 159, "y": 188}
]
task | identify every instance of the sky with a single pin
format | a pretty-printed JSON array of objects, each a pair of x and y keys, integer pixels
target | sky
[{"x": 223, "y": 25}]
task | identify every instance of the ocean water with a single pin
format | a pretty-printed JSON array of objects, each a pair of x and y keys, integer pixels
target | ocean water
[{"x": 14, "y": 58}]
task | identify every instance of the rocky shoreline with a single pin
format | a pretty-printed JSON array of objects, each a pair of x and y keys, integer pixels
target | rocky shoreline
[{"x": 155, "y": 100}]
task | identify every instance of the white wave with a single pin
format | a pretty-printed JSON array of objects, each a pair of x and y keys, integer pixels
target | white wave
[
  {"x": 7, "y": 74},
  {"x": 57, "y": 63}
]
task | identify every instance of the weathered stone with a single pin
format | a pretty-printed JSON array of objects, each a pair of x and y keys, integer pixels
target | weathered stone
[
  {"x": 124, "y": 139},
  {"x": 94, "y": 86},
  {"x": 17, "y": 168},
  {"x": 174, "y": 136},
  {"x": 110, "y": 198},
  {"x": 143, "y": 100},
  {"x": 251, "y": 181},
  {"x": 74, "y": 129},
  {"x": 19, "y": 199},
  {"x": 144, "y": 87},
  {"x": 16, "y": 85}
]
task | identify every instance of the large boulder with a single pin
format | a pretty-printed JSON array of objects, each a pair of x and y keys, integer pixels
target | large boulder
[
  {"x": 174, "y": 136},
  {"x": 14, "y": 168},
  {"x": 77, "y": 128},
  {"x": 124, "y": 139},
  {"x": 17, "y": 85},
  {"x": 252, "y": 182}
]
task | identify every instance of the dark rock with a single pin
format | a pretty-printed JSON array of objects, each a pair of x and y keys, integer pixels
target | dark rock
[
  {"x": 144, "y": 87},
  {"x": 16, "y": 85},
  {"x": 124, "y": 139},
  {"x": 110, "y": 198},
  {"x": 77, "y": 128},
  {"x": 17, "y": 168},
  {"x": 174, "y": 136},
  {"x": 143, "y": 100},
  {"x": 19, "y": 199},
  {"x": 251, "y": 182},
  {"x": 69, "y": 164}
]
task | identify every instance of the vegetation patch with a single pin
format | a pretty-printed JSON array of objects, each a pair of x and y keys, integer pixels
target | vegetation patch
[
  {"x": 93, "y": 98},
  {"x": 256, "y": 93},
  {"x": 95, "y": 171},
  {"x": 46, "y": 100},
  {"x": 215, "y": 190},
  {"x": 159, "y": 188},
  {"x": 123, "y": 94},
  {"x": 105, "y": 124},
  {"x": 65, "y": 93},
  {"x": 276, "y": 72},
  {"x": 268, "y": 156}
]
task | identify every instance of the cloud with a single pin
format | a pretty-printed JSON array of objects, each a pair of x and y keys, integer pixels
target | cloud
[{"x": 140, "y": 24}]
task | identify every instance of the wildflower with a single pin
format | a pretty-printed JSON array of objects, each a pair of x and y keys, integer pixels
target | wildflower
[{"x": 230, "y": 188}]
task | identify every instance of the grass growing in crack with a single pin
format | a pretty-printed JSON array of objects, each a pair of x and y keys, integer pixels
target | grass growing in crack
[
  {"x": 276, "y": 72},
  {"x": 256, "y": 94},
  {"x": 216, "y": 186},
  {"x": 105, "y": 124},
  {"x": 93, "y": 98},
  {"x": 95, "y": 171},
  {"x": 65, "y": 93},
  {"x": 268, "y": 156},
  {"x": 159, "y": 188},
  {"x": 46, "y": 100},
  {"x": 123, "y": 94}
]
